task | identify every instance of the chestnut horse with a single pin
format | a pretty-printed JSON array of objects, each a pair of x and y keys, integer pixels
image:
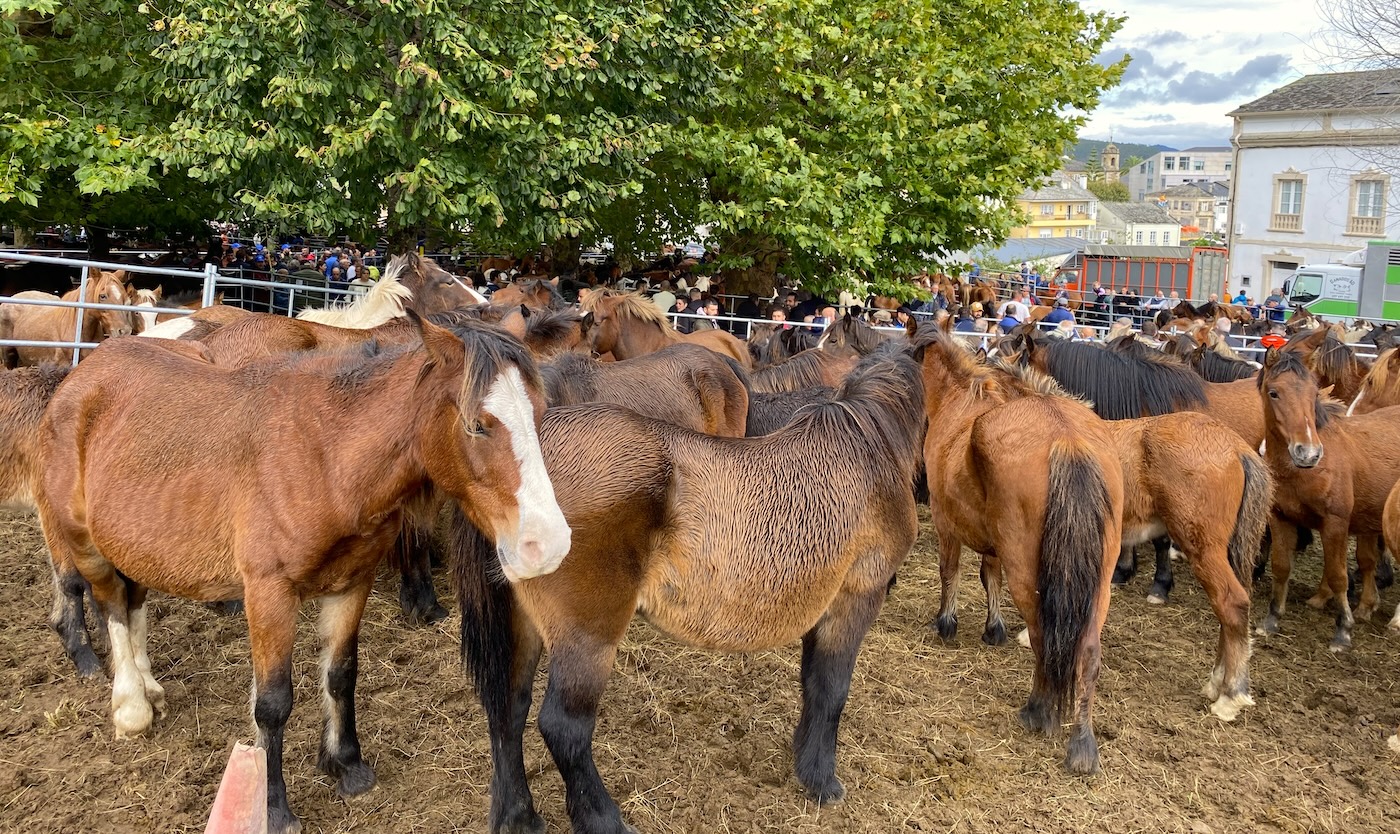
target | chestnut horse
[
  {"x": 59, "y": 324},
  {"x": 1044, "y": 505},
  {"x": 1331, "y": 360},
  {"x": 628, "y": 325},
  {"x": 670, "y": 536},
  {"x": 24, "y": 394},
  {"x": 1334, "y": 474},
  {"x": 264, "y": 494},
  {"x": 1381, "y": 387},
  {"x": 539, "y": 293}
]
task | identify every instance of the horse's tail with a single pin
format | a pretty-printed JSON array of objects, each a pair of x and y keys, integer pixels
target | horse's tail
[
  {"x": 1253, "y": 516},
  {"x": 488, "y": 613},
  {"x": 1071, "y": 563}
]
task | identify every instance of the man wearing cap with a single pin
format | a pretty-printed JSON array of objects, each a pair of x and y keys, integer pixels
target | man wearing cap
[
  {"x": 973, "y": 322},
  {"x": 1060, "y": 313}
]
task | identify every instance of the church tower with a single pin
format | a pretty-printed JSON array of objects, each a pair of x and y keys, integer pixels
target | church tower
[{"x": 1109, "y": 159}]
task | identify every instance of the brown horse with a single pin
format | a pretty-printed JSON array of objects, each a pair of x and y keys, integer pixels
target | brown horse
[
  {"x": 1045, "y": 506},
  {"x": 770, "y": 412},
  {"x": 684, "y": 385},
  {"x": 59, "y": 324},
  {"x": 807, "y": 369},
  {"x": 265, "y": 494},
  {"x": 670, "y": 536},
  {"x": 852, "y": 334},
  {"x": 1381, "y": 387},
  {"x": 1331, "y": 360},
  {"x": 539, "y": 293},
  {"x": 1341, "y": 492},
  {"x": 628, "y": 325},
  {"x": 24, "y": 394}
]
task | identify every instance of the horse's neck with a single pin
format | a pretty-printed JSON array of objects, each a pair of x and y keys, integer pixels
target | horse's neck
[{"x": 378, "y": 465}]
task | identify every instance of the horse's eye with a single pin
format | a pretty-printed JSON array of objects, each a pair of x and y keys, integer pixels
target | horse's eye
[
  {"x": 475, "y": 428},
  {"x": 1273, "y": 394}
]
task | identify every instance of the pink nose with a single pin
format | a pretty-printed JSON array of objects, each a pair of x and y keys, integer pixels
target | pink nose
[{"x": 531, "y": 552}]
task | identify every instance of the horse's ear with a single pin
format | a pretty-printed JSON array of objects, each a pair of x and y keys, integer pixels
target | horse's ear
[
  {"x": 441, "y": 345},
  {"x": 554, "y": 281},
  {"x": 1394, "y": 360},
  {"x": 524, "y": 311},
  {"x": 1324, "y": 393},
  {"x": 1271, "y": 357},
  {"x": 586, "y": 322},
  {"x": 219, "y": 297},
  {"x": 159, "y": 291},
  {"x": 912, "y": 326}
]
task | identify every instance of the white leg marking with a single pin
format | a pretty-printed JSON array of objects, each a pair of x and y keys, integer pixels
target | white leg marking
[
  {"x": 1024, "y": 638},
  {"x": 155, "y": 693},
  {"x": 131, "y": 713},
  {"x": 543, "y": 538}
]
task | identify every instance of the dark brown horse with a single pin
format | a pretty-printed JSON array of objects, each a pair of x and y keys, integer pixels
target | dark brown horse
[
  {"x": 628, "y": 325},
  {"x": 1331, "y": 360},
  {"x": 1044, "y": 506},
  {"x": 265, "y": 493},
  {"x": 769, "y": 412},
  {"x": 807, "y": 369},
  {"x": 852, "y": 334},
  {"x": 1334, "y": 474},
  {"x": 670, "y": 536}
]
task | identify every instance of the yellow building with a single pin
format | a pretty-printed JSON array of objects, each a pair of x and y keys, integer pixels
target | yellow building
[{"x": 1060, "y": 208}]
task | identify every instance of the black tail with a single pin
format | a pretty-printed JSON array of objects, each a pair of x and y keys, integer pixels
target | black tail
[
  {"x": 488, "y": 607},
  {"x": 1071, "y": 561},
  {"x": 1253, "y": 517}
]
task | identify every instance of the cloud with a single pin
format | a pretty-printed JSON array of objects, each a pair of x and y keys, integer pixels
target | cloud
[
  {"x": 1198, "y": 87},
  {"x": 1167, "y": 38},
  {"x": 1172, "y": 134}
]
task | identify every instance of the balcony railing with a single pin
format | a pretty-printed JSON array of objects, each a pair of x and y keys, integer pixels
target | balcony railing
[
  {"x": 1370, "y": 226},
  {"x": 1287, "y": 223}
]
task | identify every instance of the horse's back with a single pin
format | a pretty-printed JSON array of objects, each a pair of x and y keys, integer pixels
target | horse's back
[
  {"x": 723, "y": 342},
  {"x": 1372, "y": 449},
  {"x": 24, "y": 396}
]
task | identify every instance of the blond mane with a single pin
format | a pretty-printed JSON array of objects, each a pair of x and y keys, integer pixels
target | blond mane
[
  {"x": 384, "y": 301},
  {"x": 631, "y": 304}
]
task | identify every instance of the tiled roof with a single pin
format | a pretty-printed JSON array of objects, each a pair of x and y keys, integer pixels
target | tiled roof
[
  {"x": 1061, "y": 191},
  {"x": 1138, "y": 213},
  {"x": 1332, "y": 91}
]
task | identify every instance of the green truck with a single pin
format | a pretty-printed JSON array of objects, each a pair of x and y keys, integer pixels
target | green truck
[{"x": 1338, "y": 291}]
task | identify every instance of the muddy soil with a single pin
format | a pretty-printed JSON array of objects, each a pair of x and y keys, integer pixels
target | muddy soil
[{"x": 690, "y": 741}]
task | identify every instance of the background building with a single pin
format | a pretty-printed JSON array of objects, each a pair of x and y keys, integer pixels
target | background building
[
  {"x": 1136, "y": 224},
  {"x": 1313, "y": 174},
  {"x": 1061, "y": 207},
  {"x": 1171, "y": 168}
]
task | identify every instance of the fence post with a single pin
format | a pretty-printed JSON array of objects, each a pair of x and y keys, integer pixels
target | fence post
[
  {"x": 78, "y": 314},
  {"x": 211, "y": 274}
]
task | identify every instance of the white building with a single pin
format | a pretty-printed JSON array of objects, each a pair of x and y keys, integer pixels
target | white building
[
  {"x": 1136, "y": 224},
  {"x": 1170, "y": 168},
  {"x": 1313, "y": 174}
]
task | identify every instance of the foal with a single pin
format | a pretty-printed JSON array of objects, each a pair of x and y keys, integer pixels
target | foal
[
  {"x": 670, "y": 536},
  {"x": 263, "y": 495}
]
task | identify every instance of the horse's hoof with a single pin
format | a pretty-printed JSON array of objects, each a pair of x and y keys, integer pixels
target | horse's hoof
[
  {"x": 1024, "y": 638},
  {"x": 1268, "y": 627},
  {"x": 829, "y": 794},
  {"x": 947, "y": 626},
  {"x": 1082, "y": 756},
  {"x": 355, "y": 780},
  {"x": 87, "y": 664},
  {"x": 1363, "y": 613},
  {"x": 530, "y": 823},
  {"x": 1228, "y": 707},
  {"x": 282, "y": 821},
  {"x": 995, "y": 634},
  {"x": 1340, "y": 643},
  {"x": 1036, "y": 718},
  {"x": 132, "y": 718},
  {"x": 1122, "y": 576},
  {"x": 1393, "y": 743},
  {"x": 1156, "y": 599}
]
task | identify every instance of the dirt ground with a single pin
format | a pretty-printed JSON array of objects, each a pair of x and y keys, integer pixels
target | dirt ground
[{"x": 690, "y": 741}]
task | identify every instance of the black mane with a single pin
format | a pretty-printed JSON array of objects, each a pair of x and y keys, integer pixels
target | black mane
[{"x": 1125, "y": 382}]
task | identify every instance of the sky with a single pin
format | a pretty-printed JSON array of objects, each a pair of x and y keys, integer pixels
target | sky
[{"x": 1196, "y": 60}]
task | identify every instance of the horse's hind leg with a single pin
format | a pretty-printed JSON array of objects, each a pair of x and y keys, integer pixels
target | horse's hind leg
[
  {"x": 136, "y": 616},
  {"x": 1162, "y": 580},
  {"x": 828, "y": 659},
  {"x": 1228, "y": 685},
  {"x": 1284, "y": 536},
  {"x": 417, "y": 596},
  {"x": 1126, "y": 568},
  {"x": 949, "y": 558},
  {"x": 1367, "y": 557},
  {"x": 995, "y": 632},
  {"x": 69, "y": 620}
]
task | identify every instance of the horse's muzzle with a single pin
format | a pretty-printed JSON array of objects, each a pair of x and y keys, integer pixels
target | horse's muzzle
[{"x": 1305, "y": 455}]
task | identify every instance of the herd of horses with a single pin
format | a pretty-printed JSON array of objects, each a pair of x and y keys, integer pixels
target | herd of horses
[{"x": 591, "y": 465}]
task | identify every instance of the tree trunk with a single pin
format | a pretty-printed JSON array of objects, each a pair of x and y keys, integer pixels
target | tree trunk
[
  {"x": 99, "y": 243},
  {"x": 762, "y": 276},
  {"x": 564, "y": 255},
  {"x": 24, "y": 237}
]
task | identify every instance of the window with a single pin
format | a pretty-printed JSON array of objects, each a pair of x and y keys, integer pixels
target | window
[
  {"x": 1047, "y": 209},
  {"x": 1288, "y": 202},
  {"x": 1079, "y": 233},
  {"x": 1139, "y": 239},
  {"x": 1368, "y": 197},
  {"x": 1183, "y": 162},
  {"x": 1047, "y": 233},
  {"x": 1168, "y": 163},
  {"x": 1227, "y": 166},
  {"x": 1198, "y": 165},
  {"x": 1152, "y": 238},
  {"x": 1142, "y": 169},
  {"x": 1081, "y": 209}
]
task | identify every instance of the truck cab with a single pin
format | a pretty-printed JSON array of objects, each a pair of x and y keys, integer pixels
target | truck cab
[{"x": 1326, "y": 290}]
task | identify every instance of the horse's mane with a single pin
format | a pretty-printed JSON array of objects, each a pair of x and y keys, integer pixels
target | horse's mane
[
  {"x": 1034, "y": 381},
  {"x": 1280, "y": 362},
  {"x": 984, "y": 381},
  {"x": 1124, "y": 381},
  {"x": 1378, "y": 377},
  {"x": 631, "y": 304},
  {"x": 180, "y": 299},
  {"x": 145, "y": 297},
  {"x": 878, "y": 415},
  {"x": 552, "y": 324},
  {"x": 802, "y": 370},
  {"x": 488, "y": 349},
  {"x": 1333, "y": 359},
  {"x": 385, "y": 300},
  {"x": 1215, "y": 367}
]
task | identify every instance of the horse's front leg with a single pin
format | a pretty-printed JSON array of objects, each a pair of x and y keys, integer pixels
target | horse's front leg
[
  {"x": 1284, "y": 536},
  {"x": 271, "y": 606},
  {"x": 340, "y": 741},
  {"x": 1126, "y": 568},
  {"x": 995, "y": 632},
  {"x": 828, "y": 659},
  {"x": 1162, "y": 580},
  {"x": 578, "y": 674}
]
